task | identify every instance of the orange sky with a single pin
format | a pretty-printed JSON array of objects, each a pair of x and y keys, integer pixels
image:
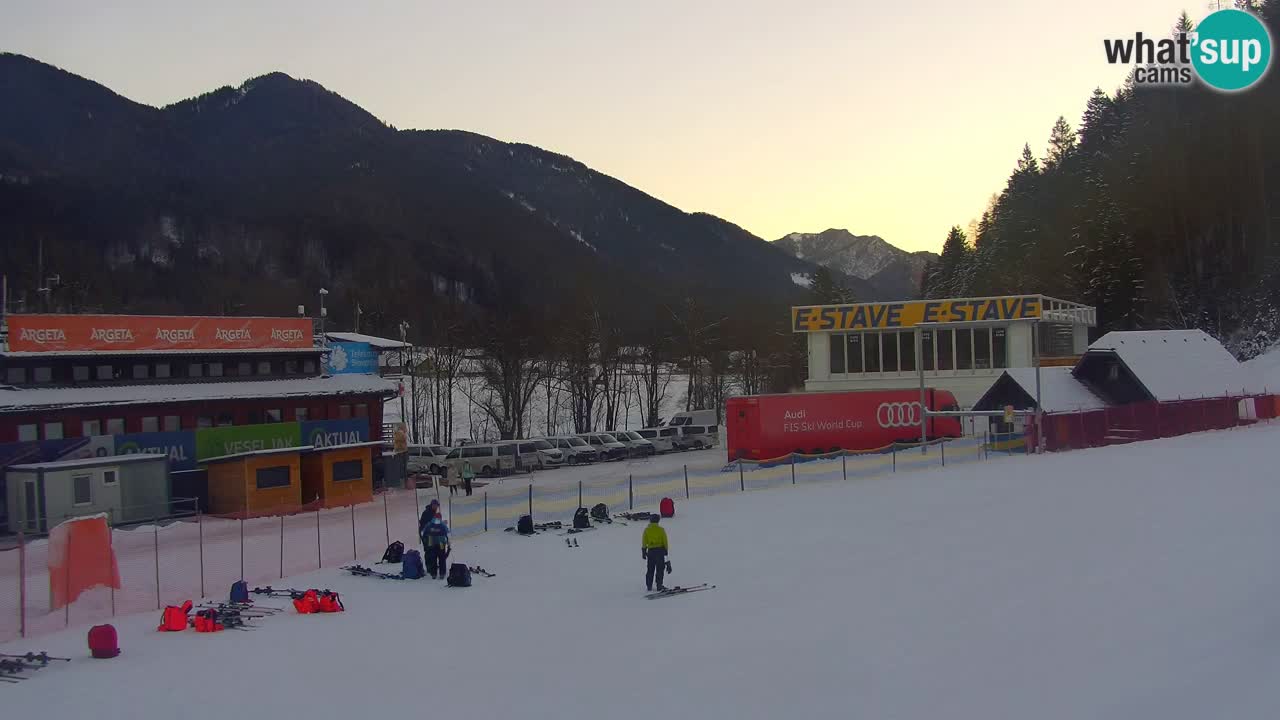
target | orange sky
[{"x": 896, "y": 119}]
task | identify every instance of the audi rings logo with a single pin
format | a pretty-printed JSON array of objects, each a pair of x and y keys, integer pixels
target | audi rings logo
[{"x": 898, "y": 414}]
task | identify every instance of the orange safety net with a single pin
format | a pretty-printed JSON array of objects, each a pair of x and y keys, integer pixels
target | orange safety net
[{"x": 80, "y": 558}]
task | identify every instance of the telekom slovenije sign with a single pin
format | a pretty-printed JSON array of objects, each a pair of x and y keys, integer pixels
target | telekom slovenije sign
[{"x": 62, "y": 333}]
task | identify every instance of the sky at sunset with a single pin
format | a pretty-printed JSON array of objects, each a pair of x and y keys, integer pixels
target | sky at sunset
[{"x": 895, "y": 119}]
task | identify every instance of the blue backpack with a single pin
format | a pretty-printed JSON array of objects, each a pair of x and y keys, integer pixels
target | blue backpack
[
  {"x": 240, "y": 591},
  {"x": 411, "y": 565}
]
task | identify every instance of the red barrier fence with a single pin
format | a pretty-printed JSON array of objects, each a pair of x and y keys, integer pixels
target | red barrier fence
[{"x": 1151, "y": 420}]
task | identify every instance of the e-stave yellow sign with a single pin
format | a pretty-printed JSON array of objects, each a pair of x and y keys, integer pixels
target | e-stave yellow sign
[{"x": 887, "y": 316}]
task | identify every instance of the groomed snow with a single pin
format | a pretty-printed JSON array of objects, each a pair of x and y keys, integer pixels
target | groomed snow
[{"x": 1030, "y": 587}]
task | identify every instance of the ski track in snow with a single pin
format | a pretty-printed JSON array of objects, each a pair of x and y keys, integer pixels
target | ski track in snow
[{"x": 1124, "y": 582}]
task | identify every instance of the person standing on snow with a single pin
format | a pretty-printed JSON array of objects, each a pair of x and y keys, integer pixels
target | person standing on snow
[
  {"x": 467, "y": 476},
  {"x": 654, "y": 548},
  {"x": 432, "y": 509},
  {"x": 437, "y": 545}
]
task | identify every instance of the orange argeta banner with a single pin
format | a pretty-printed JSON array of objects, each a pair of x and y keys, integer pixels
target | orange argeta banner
[
  {"x": 80, "y": 558},
  {"x": 62, "y": 333}
]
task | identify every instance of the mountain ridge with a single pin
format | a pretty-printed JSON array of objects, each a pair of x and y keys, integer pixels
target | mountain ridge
[{"x": 892, "y": 271}]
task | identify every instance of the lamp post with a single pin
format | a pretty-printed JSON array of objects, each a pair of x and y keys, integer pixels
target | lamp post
[
  {"x": 404, "y": 332},
  {"x": 323, "y": 312}
]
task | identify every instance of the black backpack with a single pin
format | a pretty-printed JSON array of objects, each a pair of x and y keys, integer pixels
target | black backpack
[
  {"x": 459, "y": 576},
  {"x": 600, "y": 511},
  {"x": 394, "y": 553},
  {"x": 524, "y": 525},
  {"x": 580, "y": 519}
]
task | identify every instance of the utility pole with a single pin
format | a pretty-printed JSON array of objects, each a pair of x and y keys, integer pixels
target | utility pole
[{"x": 404, "y": 333}]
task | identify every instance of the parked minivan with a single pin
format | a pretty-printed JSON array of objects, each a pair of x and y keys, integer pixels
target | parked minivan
[
  {"x": 664, "y": 439},
  {"x": 427, "y": 458},
  {"x": 575, "y": 449},
  {"x": 533, "y": 455},
  {"x": 636, "y": 443},
  {"x": 606, "y": 445},
  {"x": 485, "y": 458},
  {"x": 692, "y": 417},
  {"x": 700, "y": 436}
]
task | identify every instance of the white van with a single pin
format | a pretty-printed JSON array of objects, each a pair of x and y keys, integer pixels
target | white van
[
  {"x": 486, "y": 459},
  {"x": 575, "y": 449},
  {"x": 606, "y": 445},
  {"x": 698, "y": 437},
  {"x": 533, "y": 455},
  {"x": 692, "y": 417},
  {"x": 427, "y": 458},
  {"x": 664, "y": 439}
]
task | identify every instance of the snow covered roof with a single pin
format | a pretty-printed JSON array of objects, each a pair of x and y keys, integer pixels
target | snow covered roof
[
  {"x": 348, "y": 446},
  {"x": 1060, "y": 391},
  {"x": 254, "y": 453},
  {"x": 1177, "y": 364},
  {"x": 16, "y": 399},
  {"x": 378, "y": 343},
  {"x": 89, "y": 462}
]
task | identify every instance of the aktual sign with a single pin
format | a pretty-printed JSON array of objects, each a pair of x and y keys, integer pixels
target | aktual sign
[
  {"x": 888, "y": 316},
  {"x": 61, "y": 333},
  {"x": 179, "y": 446},
  {"x": 351, "y": 358},
  {"x": 328, "y": 433}
]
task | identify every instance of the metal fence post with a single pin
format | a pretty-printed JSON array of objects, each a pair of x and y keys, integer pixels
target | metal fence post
[
  {"x": 241, "y": 546},
  {"x": 486, "y": 511},
  {"x": 386, "y": 517},
  {"x": 354, "y": 555},
  {"x": 686, "y": 482},
  {"x": 894, "y": 451},
  {"x": 282, "y": 547},
  {"x": 200, "y": 543},
  {"x": 579, "y": 493},
  {"x": 844, "y": 469},
  {"x": 793, "y": 468},
  {"x": 631, "y": 493},
  {"x": 943, "y": 445},
  {"x": 155, "y": 544},
  {"x": 742, "y": 480},
  {"x": 319, "y": 557},
  {"x": 111, "y": 542},
  {"x": 530, "y": 501},
  {"x": 66, "y": 589},
  {"x": 22, "y": 582}
]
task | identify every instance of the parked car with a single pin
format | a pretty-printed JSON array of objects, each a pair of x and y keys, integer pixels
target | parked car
[
  {"x": 533, "y": 455},
  {"x": 636, "y": 443},
  {"x": 692, "y": 417},
  {"x": 664, "y": 439},
  {"x": 427, "y": 458},
  {"x": 697, "y": 437},
  {"x": 576, "y": 450},
  {"x": 486, "y": 459},
  {"x": 606, "y": 445}
]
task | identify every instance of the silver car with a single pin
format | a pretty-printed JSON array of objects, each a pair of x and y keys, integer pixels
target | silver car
[
  {"x": 606, "y": 444},
  {"x": 576, "y": 450},
  {"x": 427, "y": 458},
  {"x": 636, "y": 443}
]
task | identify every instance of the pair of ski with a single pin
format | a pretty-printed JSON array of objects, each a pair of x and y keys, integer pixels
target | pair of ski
[
  {"x": 481, "y": 571},
  {"x": 678, "y": 590},
  {"x": 369, "y": 572},
  {"x": 572, "y": 542},
  {"x": 575, "y": 531}
]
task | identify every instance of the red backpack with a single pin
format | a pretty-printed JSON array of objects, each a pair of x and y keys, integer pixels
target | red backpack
[
  {"x": 667, "y": 507},
  {"x": 174, "y": 618},
  {"x": 207, "y": 621},
  {"x": 330, "y": 603},
  {"x": 308, "y": 603},
  {"x": 103, "y": 642}
]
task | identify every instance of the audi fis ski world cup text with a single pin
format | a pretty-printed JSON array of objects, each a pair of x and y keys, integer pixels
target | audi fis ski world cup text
[
  {"x": 795, "y": 422},
  {"x": 1230, "y": 50}
]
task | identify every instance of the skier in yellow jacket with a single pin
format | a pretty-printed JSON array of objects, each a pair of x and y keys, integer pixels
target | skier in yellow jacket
[{"x": 654, "y": 548}]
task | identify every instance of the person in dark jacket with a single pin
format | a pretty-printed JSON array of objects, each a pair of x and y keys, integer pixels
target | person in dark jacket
[
  {"x": 437, "y": 545},
  {"x": 654, "y": 548}
]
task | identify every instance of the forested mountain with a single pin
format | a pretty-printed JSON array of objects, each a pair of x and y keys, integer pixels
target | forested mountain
[
  {"x": 1162, "y": 209},
  {"x": 893, "y": 273}
]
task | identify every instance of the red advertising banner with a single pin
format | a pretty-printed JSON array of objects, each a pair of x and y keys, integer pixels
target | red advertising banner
[{"x": 62, "y": 333}]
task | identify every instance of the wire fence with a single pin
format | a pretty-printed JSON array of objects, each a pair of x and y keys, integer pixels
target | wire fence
[{"x": 196, "y": 555}]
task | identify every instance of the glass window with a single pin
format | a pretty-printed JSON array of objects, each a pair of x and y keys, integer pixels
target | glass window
[
  {"x": 274, "y": 477},
  {"x": 577, "y": 442},
  {"x": 244, "y": 368},
  {"x": 215, "y": 369},
  {"x": 542, "y": 444},
  {"x": 255, "y": 417},
  {"x": 225, "y": 419},
  {"x": 82, "y": 488},
  {"x": 204, "y": 421},
  {"x": 106, "y": 372},
  {"x": 44, "y": 374},
  {"x": 53, "y": 430},
  {"x": 964, "y": 348},
  {"x": 15, "y": 375},
  {"x": 115, "y": 426},
  {"x": 506, "y": 449},
  {"x": 195, "y": 370},
  {"x": 162, "y": 370},
  {"x": 889, "y": 351},
  {"x": 172, "y": 423},
  {"x": 275, "y": 415},
  {"x": 264, "y": 367},
  {"x": 871, "y": 352},
  {"x": 28, "y": 433},
  {"x": 300, "y": 414},
  {"x": 982, "y": 348},
  {"x": 907, "y": 351},
  {"x": 362, "y": 410},
  {"x": 151, "y": 424},
  {"x": 453, "y": 454},
  {"x": 109, "y": 477},
  {"x": 344, "y": 412},
  {"x": 291, "y": 367},
  {"x": 308, "y": 366},
  {"x": 348, "y": 470},
  {"x": 999, "y": 348},
  {"x": 837, "y": 354},
  {"x": 80, "y": 373},
  {"x": 946, "y": 350},
  {"x": 854, "y": 352},
  {"x": 926, "y": 350},
  {"x": 141, "y": 372},
  {"x": 89, "y": 428}
]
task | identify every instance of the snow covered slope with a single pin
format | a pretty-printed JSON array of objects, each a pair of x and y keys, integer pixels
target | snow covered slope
[{"x": 1033, "y": 587}]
